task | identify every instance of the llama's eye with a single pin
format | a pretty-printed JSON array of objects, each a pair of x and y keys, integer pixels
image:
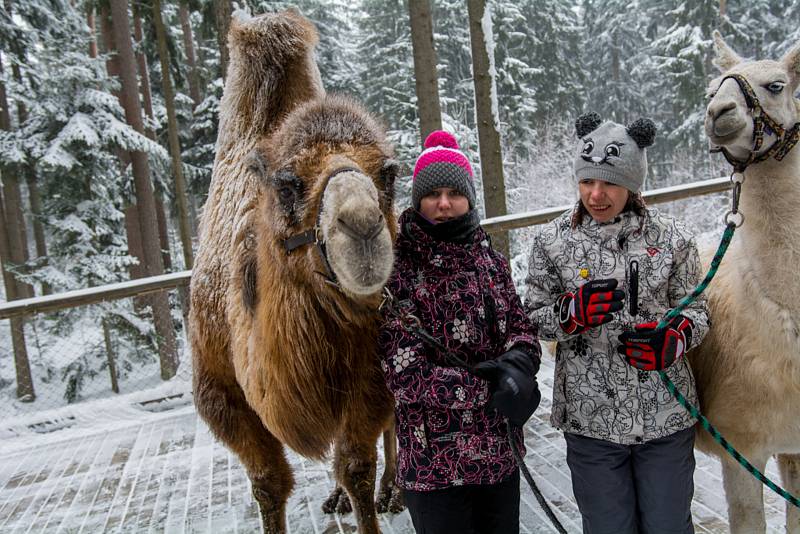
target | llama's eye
[
  {"x": 612, "y": 150},
  {"x": 775, "y": 87},
  {"x": 588, "y": 147},
  {"x": 711, "y": 94}
]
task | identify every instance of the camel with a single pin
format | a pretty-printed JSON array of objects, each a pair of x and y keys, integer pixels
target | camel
[
  {"x": 748, "y": 366},
  {"x": 295, "y": 247}
]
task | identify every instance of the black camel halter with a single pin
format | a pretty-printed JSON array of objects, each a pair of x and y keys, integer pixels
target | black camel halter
[
  {"x": 786, "y": 140},
  {"x": 314, "y": 235}
]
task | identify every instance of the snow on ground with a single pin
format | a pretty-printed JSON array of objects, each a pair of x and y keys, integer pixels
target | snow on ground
[{"x": 128, "y": 465}]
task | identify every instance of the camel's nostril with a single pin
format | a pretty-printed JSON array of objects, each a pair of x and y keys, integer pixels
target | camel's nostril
[
  {"x": 364, "y": 232},
  {"x": 718, "y": 111}
]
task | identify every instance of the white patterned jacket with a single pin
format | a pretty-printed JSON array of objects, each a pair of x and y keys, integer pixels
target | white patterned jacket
[{"x": 596, "y": 393}]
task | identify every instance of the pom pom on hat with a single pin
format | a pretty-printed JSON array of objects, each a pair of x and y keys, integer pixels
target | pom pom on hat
[
  {"x": 441, "y": 138},
  {"x": 442, "y": 164}
]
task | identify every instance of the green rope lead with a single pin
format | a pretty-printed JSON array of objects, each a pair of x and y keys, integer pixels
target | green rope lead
[
  {"x": 727, "y": 236},
  {"x": 727, "y": 446}
]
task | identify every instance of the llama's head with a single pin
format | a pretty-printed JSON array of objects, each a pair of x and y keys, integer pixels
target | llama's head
[
  {"x": 730, "y": 114},
  {"x": 328, "y": 180}
]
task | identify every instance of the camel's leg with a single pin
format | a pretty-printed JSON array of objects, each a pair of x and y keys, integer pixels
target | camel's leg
[
  {"x": 390, "y": 498},
  {"x": 789, "y": 466},
  {"x": 745, "y": 495},
  {"x": 222, "y": 405},
  {"x": 354, "y": 464}
]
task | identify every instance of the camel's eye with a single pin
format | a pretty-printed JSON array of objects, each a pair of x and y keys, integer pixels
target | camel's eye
[
  {"x": 286, "y": 193},
  {"x": 612, "y": 149},
  {"x": 775, "y": 87},
  {"x": 588, "y": 147}
]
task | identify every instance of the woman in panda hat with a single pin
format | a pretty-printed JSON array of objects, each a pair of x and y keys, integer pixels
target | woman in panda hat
[{"x": 600, "y": 278}]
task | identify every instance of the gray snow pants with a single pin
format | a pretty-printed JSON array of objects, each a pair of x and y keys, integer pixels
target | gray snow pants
[{"x": 630, "y": 489}]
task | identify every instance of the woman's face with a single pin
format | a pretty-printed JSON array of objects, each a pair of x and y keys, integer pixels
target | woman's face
[
  {"x": 443, "y": 204},
  {"x": 602, "y": 200}
]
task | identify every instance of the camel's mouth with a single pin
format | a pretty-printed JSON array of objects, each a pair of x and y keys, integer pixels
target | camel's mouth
[{"x": 356, "y": 232}]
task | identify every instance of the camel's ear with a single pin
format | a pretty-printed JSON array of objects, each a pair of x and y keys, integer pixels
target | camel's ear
[
  {"x": 792, "y": 62},
  {"x": 389, "y": 172},
  {"x": 726, "y": 58},
  {"x": 587, "y": 123},
  {"x": 257, "y": 163}
]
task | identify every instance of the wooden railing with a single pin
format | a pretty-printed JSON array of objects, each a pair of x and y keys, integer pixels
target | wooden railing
[{"x": 141, "y": 286}]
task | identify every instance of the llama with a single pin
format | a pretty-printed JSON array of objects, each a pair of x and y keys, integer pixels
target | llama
[
  {"x": 295, "y": 247},
  {"x": 748, "y": 366}
]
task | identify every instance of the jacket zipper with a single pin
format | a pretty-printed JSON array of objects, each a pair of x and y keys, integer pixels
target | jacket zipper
[{"x": 633, "y": 288}]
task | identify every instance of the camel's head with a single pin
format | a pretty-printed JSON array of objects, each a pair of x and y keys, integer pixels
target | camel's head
[
  {"x": 729, "y": 120},
  {"x": 328, "y": 181}
]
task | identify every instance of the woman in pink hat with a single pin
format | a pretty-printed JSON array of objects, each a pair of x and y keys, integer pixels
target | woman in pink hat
[{"x": 455, "y": 462}]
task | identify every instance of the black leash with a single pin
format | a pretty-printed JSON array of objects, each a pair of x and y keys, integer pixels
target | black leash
[{"x": 412, "y": 324}]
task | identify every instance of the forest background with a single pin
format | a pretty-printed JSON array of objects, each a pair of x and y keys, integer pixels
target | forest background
[{"x": 91, "y": 197}]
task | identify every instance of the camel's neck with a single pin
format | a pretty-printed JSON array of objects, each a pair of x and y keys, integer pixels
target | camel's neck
[{"x": 770, "y": 236}]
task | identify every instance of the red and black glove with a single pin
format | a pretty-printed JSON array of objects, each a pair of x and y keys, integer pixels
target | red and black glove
[
  {"x": 590, "y": 306},
  {"x": 651, "y": 350}
]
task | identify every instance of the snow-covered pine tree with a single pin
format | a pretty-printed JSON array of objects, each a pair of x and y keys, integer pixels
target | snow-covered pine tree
[
  {"x": 679, "y": 65},
  {"x": 73, "y": 129},
  {"x": 614, "y": 44}
]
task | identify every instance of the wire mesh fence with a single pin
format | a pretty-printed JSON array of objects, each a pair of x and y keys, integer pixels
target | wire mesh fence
[{"x": 93, "y": 351}]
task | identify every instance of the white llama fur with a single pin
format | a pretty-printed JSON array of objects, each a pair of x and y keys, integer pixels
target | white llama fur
[{"x": 748, "y": 366}]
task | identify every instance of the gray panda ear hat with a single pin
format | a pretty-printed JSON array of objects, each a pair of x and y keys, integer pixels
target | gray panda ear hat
[{"x": 612, "y": 152}]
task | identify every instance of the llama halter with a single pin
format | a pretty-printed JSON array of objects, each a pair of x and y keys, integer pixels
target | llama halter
[{"x": 786, "y": 140}]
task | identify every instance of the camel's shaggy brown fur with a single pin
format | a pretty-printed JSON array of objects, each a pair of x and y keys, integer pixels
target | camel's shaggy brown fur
[{"x": 280, "y": 355}]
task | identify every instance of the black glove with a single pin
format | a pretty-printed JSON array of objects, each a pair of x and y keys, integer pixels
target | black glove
[
  {"x": 591, "y": 305},
  {"x": 512, "y": 383},
  {"x": 651, "y": 350}
]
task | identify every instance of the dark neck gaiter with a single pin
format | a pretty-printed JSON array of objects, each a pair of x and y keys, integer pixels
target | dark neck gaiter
[{"x": 459, "y": 230}]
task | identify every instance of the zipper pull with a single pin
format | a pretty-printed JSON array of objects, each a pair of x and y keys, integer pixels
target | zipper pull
[{"x": 633, "y": 287}]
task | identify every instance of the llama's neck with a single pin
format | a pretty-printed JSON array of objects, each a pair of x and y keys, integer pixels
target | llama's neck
[{"x": 770, "y": 236}]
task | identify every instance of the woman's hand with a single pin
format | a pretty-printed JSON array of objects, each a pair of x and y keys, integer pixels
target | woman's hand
[
  {"x": 590, "y": 306},
  {"x": 651, "y": 350},
  {"x": 512, "y": 383}
]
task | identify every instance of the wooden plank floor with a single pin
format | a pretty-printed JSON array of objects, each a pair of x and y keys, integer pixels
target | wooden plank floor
[{"x": 164, "y": 472}]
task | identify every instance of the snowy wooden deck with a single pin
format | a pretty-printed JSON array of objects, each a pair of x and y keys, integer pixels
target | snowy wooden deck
[{"x": 163, "y": 472}]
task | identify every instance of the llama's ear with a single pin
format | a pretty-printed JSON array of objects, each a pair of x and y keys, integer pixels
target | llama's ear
[
  {"x": 587, "y": 123},
  {"x": 726, "y": 58},
  {"x": 792, "y": 63},
  {"x": 643, "y": 131}
]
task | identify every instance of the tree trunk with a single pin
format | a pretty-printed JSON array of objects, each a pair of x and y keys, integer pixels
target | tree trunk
[
  {"x": 110, "y": 357},
  {"x": 427, "y": 82},
  {"x": 163, "y": 233},
  {"x": 14, "y": 219},
  {"x": 38, "y": 227},
  {"x": 188, "y": 45},
  {"x": 25, "y": 390},
  {"x": 144, "y": 72},
  {"x": 147, "y": 100},
  {"x": 223, "y": 12},
  {"x": 723, "y": 8},
  {"x": 144, "y": 188},
  {"x": 174, "y": 142},
  {"x": 33, "y": 189},
  {"x": 92, "y": 31},
  {"x": 494, "y": 191},
  {"x": 133, "y": 231}
]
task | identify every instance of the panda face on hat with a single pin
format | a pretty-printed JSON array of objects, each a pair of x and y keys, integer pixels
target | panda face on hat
[{"x": 612, "y": 152}]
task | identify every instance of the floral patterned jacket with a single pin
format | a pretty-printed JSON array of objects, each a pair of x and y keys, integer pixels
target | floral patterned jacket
[
  {"x": 464, "y": 296},
  {"x": 596, "y": 393}
]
